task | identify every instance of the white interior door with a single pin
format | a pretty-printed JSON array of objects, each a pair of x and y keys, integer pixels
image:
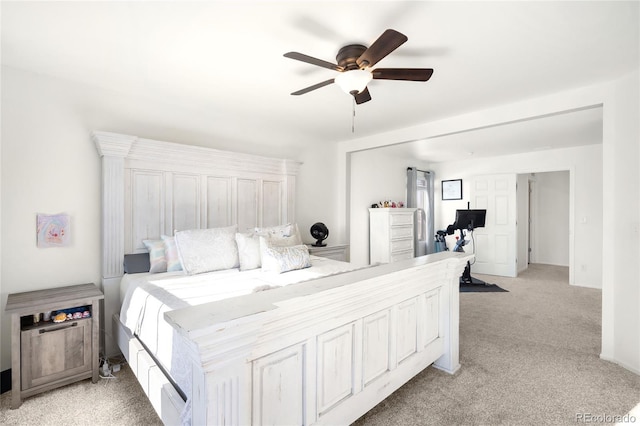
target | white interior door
[{"x": 496, "y": 243}]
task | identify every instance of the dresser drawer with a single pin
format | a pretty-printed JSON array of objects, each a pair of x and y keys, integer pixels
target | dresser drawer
[
  {"x": 401, "y": 219},
  {"x": 401, "y": 232},
  {"x": 402, "y": 245},
  {"x": 402, "y": 255}
]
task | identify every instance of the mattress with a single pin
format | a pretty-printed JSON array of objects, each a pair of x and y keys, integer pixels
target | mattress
[{"x": 146, "y": 297}]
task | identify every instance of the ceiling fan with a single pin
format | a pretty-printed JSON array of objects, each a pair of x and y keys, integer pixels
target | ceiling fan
[{"x": 354, "y": 65}]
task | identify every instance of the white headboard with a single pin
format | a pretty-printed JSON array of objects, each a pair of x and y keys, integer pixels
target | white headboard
[{"x": 151, "y": 188}]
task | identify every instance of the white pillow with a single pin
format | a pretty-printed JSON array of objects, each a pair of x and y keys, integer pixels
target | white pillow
[
  {"x": 281, "y": 231},
  {"x": 283, "y": 259},
  {"x": 157, "y": 259},
  {"x": 248, "y": 251},
  {"x": 207, "y": 250}
]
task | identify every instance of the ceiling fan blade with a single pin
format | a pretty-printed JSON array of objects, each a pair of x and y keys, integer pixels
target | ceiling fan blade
[
  {"x": 389, "y": 41},
  {"x": 410, "y": 74},
  {"x": 363, "y": 96},
  {"x": 314, "y": 87},
  {"x": 313, "y": 61}
]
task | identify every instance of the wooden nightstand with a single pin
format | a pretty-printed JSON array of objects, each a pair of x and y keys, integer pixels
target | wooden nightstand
[
  {"x": 335, "y": 252},
  {"x": 46, "y": 355}
]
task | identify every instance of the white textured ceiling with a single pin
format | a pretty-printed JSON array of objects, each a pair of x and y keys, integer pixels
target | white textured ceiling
[{"x": 222, "y": 62}]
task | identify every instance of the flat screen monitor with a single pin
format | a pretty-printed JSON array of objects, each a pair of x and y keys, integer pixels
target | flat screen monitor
[{"x": 470, "y": 219}]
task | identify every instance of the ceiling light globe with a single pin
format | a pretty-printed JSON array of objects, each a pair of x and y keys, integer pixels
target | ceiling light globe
[{"x": 353, "y": 80}]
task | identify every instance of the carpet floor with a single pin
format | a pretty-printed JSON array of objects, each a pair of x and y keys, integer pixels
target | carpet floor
[
  {"x": 118, "y": 401},
  {"x": 529, "y": 356}
]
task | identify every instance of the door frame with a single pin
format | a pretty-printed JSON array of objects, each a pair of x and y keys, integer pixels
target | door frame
[{"x": 533, "y": 204}]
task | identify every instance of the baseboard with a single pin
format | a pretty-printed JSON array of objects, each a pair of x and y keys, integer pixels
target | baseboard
[
  {"x": 449, "y": 371},
  {"x": 624, "y": 365},
  {"x": 595, "y": 287},
  {"x": 5, "y": 381}
]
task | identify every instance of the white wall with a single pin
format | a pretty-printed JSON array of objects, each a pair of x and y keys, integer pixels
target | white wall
[
  {"x": 586, "y": 165},
  {"x": 621, "y": 220},
  {"x": 317, "y": 197},
  {"x": 550, "y": 239},
  {"x": 620, "y": 189},
  {"x": 50, "y": 165},
  {"x": 369, "y": 185},
  {"x": 375, "y": 177}
]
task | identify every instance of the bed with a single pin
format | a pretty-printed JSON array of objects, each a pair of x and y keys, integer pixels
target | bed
[{"x": 319, "y": 349}]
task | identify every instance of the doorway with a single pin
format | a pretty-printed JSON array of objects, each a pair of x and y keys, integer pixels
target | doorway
[
  {"x": 528, "y": 221},
  {"x": 548, "y": 229}
]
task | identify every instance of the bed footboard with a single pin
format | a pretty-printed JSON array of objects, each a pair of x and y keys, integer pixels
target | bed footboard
[{"x": 322, "y": 352}]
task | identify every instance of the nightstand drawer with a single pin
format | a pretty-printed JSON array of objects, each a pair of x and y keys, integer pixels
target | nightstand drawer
[
  {"x": 55, "y": 351},
  {"x": 335, "y": 252}
]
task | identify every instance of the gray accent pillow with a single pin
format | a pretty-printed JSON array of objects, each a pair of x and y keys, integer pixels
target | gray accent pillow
[{"x": 136, "y": 263}]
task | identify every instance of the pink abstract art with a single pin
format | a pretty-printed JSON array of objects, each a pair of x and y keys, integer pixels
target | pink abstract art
[{"x": 53, "y": 230}]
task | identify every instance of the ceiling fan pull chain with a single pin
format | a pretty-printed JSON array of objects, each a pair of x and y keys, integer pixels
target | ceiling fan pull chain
[{"x": 353, "y": 115}]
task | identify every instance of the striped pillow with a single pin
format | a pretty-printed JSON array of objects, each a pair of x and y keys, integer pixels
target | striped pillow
[
  {"x": 157, "y": 259},
  {"x": 171, "y": 254}
]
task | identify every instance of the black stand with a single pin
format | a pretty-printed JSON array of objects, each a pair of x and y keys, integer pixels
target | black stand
[
  {"x": 467, "y": 279},
  {"x": 467, "y": 220}
]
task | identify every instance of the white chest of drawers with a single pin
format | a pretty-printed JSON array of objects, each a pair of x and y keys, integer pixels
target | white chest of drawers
[{"x": 391, "y": 234}]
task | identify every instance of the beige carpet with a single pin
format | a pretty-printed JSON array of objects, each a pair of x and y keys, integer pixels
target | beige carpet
[
  {"x": 529, "y": 357},
  {"x": 118, "y": 401}
]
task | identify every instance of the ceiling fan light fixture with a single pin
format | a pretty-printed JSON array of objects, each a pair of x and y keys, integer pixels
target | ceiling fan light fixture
[{"x": 353, "y": 80}]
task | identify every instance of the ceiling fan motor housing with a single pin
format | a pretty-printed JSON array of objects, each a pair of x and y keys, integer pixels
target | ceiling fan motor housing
[{"x": 348, "y": 55}]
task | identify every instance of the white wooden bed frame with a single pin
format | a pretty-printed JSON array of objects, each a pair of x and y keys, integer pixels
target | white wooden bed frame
[{"x": 320, "y": 352}]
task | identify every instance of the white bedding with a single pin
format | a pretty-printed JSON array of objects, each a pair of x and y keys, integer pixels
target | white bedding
[{"x": 146, "y": 297}]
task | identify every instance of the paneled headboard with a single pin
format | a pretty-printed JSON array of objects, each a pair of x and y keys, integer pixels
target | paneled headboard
[{"x": 151, "y": 188}]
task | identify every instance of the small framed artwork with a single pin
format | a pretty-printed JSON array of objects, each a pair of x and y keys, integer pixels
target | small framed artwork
[
  {"x": 452, "y": 189},
  {"x": 53, "y": 230}
]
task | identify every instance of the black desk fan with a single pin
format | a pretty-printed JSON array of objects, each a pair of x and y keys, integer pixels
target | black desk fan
[{"x": 320, "y": 232}]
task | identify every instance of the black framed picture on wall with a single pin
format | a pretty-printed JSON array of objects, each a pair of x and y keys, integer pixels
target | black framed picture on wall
[{"x": 452, "y": 189}]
